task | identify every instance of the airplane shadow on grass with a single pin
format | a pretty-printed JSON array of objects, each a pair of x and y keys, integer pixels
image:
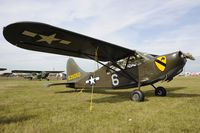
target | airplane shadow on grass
[
  {"x": 15, "y": 119},
  {"x": 121, "y": 96}
]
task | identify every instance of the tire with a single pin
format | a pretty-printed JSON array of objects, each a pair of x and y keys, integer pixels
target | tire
[
  {"x": 160, "y": 91},
  {"x": 137, "y": 96}
]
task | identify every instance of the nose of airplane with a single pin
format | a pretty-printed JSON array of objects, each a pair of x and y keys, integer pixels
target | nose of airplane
[
  {"x": 186, "y": 55},
  {"x": 172, "y": 64},
  {"x": 179, "y": 58},
  {"x": 182, "y": 57}
]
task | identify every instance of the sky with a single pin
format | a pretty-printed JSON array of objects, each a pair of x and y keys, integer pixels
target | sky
[{"x": 153, "y": 26}]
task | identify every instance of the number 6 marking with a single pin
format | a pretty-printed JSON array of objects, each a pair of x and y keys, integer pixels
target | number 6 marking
[{"x": 115, "y": 80}]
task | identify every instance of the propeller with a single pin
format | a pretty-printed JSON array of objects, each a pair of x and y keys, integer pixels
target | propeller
[{"x": 187, "y": 56}]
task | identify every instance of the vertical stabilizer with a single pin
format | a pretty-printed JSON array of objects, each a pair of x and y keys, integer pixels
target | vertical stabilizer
[{"x": 74, "y": 72}]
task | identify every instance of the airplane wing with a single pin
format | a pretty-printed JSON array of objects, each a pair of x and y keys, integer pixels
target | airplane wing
[
  {"x": 33, "y": 71},
  {"x": 46, "y": 38},
  {"x": 54, "y": 71},
  {"x": 25, "y": 71},
  {"x": 3, "y": 69}
]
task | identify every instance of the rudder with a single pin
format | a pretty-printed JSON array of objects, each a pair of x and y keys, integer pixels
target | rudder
[{"x": 74, "y": 72}]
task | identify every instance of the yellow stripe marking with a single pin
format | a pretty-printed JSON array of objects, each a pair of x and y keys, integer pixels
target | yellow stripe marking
[
  {"x": 28, "y": 33},
  {"x": 74, "y": 76},
  {"x": 65, "y": 42}
]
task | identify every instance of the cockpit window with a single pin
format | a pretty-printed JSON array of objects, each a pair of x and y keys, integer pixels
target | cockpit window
[{"x": 129, "y": 62}]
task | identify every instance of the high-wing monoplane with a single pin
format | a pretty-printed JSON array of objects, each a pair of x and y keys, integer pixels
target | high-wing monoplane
[
  {"x": 32, "y": 74},
  {"x": 121, "y": 67}
]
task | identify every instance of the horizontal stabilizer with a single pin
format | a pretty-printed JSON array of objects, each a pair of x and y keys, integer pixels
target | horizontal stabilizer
[{"x": 71, "y": 85}]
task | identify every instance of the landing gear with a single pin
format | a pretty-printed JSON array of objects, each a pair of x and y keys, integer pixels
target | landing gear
[
  {"x": 137, "y": 95},
  {"x": 160, "y": 91}
]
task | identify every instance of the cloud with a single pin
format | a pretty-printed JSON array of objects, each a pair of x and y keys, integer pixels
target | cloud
[
  {"x": 152, "y": 26},
  {"x": 142, "y": 14},
  {"x": 185, "y": 38}
]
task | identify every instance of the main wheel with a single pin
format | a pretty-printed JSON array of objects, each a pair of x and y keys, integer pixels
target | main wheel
[
  {"x": 137, "y": 95},
  {"x": 160, "y": 91}
]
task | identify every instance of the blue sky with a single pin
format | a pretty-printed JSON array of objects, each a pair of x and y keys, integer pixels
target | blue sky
[{"x": 152, "y": 26}]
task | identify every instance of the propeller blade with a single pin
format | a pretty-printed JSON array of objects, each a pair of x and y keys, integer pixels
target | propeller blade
[{"x": 188, "y": 56}]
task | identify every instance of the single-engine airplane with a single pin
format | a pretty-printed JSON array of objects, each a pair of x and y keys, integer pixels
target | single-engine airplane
[
  {"x": 121, "y": 67},
  {"x": 32, "y": 74}
]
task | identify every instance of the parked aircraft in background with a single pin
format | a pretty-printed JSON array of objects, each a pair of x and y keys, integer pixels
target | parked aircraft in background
[
  {"x": 32, "y": 74},
  {"x": 3, "y": 69}
]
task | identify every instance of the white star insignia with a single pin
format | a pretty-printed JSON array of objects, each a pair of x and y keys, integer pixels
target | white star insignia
[{"x": 91, "y": 80}]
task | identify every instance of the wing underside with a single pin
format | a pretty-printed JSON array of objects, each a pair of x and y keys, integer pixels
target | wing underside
[{"x": 46, "y": 38}]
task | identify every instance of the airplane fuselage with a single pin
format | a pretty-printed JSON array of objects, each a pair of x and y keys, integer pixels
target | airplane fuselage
[{"x": 146, "y": 72}]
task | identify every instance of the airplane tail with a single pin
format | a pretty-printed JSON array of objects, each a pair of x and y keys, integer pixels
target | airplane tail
[{"x": 74, "y": 72}]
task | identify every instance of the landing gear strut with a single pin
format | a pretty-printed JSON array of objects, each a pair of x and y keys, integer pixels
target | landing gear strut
[
  {"x": 160, "y": 91},
  {"x": 137, "y": 95}
]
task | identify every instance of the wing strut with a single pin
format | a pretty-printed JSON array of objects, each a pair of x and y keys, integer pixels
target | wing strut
[
  {"x": 92, "y": 91},
  {"x": 125, "y": 74}
]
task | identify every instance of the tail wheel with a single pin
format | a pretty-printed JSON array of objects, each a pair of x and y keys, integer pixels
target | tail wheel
[
  {"x": 137, "y": 96},
  {"x": 160, "y": 91}
]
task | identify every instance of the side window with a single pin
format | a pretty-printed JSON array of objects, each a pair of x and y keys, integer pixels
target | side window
[{"x": 134, "y": 61}]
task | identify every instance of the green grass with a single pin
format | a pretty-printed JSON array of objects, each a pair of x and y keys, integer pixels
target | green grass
[{"x": 26, "y": 106}]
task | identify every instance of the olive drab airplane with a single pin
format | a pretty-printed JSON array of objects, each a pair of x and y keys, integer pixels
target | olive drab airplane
[
  {"x": 32, "y": 74},
  {"x": 121, "y": 67}
]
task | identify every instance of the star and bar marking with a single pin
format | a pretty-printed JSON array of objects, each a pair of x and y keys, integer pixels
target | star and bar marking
[
  {"x": 91, "y": 80},
  {"x": 45, "y": 38}
]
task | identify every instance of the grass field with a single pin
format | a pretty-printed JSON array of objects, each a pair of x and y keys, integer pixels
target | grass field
[{"x": 26, "y": 106}]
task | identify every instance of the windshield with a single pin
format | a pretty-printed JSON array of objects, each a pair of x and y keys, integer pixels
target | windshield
[
  {"x": 146, "y": 55},
  {"x": 128, "y": 62}
]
